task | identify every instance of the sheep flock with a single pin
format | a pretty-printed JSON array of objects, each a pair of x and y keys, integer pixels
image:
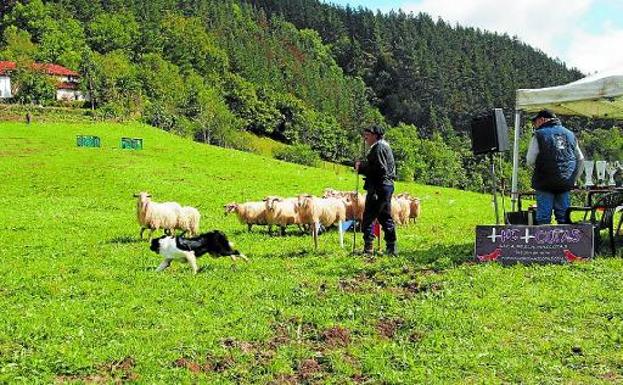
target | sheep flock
[{"x": 308, "y": 212}]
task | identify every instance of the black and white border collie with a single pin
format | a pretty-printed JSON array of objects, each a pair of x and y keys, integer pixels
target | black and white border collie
[{"x": 189, "y": 249}]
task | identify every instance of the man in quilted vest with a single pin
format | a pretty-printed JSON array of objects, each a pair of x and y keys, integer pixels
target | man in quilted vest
[{"x": 557, "y": 159}]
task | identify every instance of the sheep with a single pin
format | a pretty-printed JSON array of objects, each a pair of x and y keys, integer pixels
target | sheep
[
  {"x": 281, "y": 212},
  {"x": 355, "y": 206},
  {"x": 400, "y": 210},
  {"x": 415, "y": 206},
  {"x": 188, "y": 220},
  {"x": 153, "y": 216},
  {"x": 322, "y": 211},
  {"x": 249, "y": 213}
]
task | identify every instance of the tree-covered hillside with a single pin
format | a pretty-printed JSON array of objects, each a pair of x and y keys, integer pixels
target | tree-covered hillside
[{"x": 425, "y": 72}]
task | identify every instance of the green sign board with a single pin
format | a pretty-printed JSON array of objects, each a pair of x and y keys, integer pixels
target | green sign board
[
  {"x": 87, "y": 141},
  {"x": 132, "y": 143}
]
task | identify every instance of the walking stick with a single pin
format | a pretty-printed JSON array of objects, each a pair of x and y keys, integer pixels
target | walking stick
[{"x": 356, "y": 202}]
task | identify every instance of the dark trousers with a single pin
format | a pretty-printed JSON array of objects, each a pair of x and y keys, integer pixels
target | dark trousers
[{"x": 378, "y": 206}]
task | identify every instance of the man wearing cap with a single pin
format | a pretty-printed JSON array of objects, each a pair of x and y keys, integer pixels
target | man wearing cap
[
  {"x": 557, "y": 159},
  {"x": 380, "y": 172}
]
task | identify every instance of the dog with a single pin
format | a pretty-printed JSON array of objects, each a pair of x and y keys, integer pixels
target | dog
[{"x": 189, "y": 249}]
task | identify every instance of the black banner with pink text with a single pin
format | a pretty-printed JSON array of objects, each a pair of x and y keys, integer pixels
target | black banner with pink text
[{"x": 509, "y": 244}]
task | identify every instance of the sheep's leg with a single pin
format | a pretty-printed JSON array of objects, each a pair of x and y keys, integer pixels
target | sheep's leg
[
  {"x": 142, "y": 230},
  {"x": 283, "y": 230},
  {"x": 315, "y": 234},
  {"x": 249, "y": 227},
  {"x": 270, "y": 229},
  {"x": 339, "y": 227},
  {"x": 166, "y": 263},
  {"x": 151, "y": 232},
  {"x": 192, "y": 260}
]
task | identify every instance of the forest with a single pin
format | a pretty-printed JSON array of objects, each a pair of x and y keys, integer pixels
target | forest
[{"x": 301, "y": 72}]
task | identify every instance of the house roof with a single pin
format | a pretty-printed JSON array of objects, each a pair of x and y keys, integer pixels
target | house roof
[{"x": 50, "y": 69}]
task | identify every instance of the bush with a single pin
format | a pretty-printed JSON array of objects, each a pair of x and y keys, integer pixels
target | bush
[{"x": 299, "y": 153}]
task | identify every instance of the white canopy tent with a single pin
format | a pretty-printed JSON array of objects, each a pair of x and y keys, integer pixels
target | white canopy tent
[{"x": 596, "y": 96}]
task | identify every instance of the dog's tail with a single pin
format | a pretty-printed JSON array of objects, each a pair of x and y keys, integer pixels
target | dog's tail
[{"x": 235, "y": 253}]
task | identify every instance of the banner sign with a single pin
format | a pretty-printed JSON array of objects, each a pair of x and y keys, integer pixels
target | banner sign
[
  {"x": 509, "y": 244},
  {"x": 87, "y": 141},
  {"x": 132, "y": 143}
]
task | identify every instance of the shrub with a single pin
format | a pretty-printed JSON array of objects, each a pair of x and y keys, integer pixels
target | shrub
[{"x": 299, "y": 153}]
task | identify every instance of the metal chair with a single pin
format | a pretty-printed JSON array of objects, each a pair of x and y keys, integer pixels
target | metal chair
[{"x": 601, "y": 216}]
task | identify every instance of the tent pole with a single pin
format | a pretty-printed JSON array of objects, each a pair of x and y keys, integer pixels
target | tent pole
[{"x": 514, "y": 192}]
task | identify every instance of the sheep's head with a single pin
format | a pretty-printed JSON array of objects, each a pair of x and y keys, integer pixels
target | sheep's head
[
  {"x": 230, "y": 207},
  {"x": 305, "y": 201},
  {"x": 142, "y": 196},
  {"x": 141, "y": 204},
  {"x": 270, "y": 202}
]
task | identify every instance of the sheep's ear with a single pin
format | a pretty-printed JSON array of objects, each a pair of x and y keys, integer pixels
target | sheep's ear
[
  {"x": 148, "y": 195},
  {"x": 135, "y": 195}
]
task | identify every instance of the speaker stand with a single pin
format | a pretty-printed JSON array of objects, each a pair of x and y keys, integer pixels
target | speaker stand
[{"x": 494, "y": 187}]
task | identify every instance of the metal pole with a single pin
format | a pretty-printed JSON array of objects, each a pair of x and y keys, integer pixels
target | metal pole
[
  {"x": 495, "y": 188},
  {"x": 514, "y": 192}
]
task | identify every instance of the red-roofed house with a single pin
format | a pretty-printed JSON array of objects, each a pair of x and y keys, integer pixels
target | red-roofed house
[{"x": 67, "y": 80}]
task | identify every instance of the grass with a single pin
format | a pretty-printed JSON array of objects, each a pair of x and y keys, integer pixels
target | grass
[{"x": 81, "y": 302}]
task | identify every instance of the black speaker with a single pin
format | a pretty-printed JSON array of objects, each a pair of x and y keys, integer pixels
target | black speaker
[{"x": 489, "y": 132}]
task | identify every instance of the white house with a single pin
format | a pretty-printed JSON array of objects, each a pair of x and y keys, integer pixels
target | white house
[{"x": 67, "y": 81}]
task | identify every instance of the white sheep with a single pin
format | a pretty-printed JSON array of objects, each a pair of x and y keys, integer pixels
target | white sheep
[
  {"x": 153, "y": 216},
  {"x": 355, "y": 206},
  {"x": 188, "y": 220},
  {"x": 322, "y": 211},
  {"x": 281, "y": 212},
  {"x": 249, "y": 213},
  {"x": 400, "y": 210},
  {"x": 415, "y": 206}
]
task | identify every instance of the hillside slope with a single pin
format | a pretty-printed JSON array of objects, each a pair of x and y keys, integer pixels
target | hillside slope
[{"x": 82, "y": 303}]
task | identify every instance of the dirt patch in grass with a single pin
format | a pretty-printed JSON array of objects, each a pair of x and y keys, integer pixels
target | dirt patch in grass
[
  {"x": 116, "y": 372},
  {"x": 359, "y": 378},
  {"x": 415, "y": 287},
  {"x": 388, "y": 327},
  {"x": 244, "y": 346},
  {"x": 189, "y": 364},
  {"x": 611, "y": 377},
  {"x": 285, "y": 379},
  {"x": 308, "y": 369},
  {"x": 209, "y": 364},
  {"x": 336, "y": 336},
  {"x": 416, "y": 336},
  {"x": 86, "y": 379},
  {"x": 122, "y": 369}
]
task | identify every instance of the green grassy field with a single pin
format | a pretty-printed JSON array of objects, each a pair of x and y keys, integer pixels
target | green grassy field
[{"x": 81, "y": 303}]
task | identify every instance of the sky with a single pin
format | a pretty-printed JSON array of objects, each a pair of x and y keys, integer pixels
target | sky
[{"x": 584, "y": 34}]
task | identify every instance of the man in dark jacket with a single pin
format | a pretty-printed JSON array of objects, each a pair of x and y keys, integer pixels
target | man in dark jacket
[
  {"x": 557, "y": 161},
  {"x": 380, "y": 172}
]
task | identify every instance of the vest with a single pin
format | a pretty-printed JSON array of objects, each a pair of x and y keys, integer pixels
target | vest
[{"x": 556, "y": 162}]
